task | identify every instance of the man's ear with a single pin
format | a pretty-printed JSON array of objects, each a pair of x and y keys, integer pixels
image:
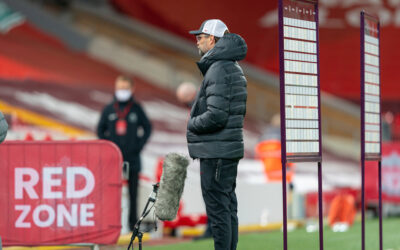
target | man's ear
[{"x": 212, "y": 40}]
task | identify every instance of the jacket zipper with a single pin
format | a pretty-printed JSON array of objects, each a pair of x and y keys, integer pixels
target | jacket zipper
[{"x": 218, "y": 170}]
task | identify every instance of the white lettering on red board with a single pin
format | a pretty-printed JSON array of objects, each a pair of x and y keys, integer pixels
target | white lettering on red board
[{"x": 75, "y": 214}]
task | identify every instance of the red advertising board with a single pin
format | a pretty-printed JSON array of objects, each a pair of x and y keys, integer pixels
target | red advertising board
[
  {"x": 54, "y": 193},
  {"x": 390, "y": 176}
]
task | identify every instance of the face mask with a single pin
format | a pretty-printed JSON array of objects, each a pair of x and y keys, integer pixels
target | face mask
[{"x": 123, "y": 95}]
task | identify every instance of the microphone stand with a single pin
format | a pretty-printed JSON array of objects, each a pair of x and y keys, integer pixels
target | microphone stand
[{"x": 136, "y": 232}]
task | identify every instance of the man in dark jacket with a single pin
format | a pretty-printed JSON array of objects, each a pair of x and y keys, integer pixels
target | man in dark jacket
[
  {"x": 124, "y": 122},
  {"x": 215, "y": 128}
]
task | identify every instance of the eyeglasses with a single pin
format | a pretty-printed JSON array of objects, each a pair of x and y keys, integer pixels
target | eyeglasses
[{"x": 199, "y": 37}]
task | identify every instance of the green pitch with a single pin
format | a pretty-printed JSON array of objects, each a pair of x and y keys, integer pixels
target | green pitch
[{"x": 299, "y": 239}]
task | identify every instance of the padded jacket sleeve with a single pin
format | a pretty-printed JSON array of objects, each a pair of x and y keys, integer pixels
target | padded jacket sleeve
[{"x": 217, "y": 95}]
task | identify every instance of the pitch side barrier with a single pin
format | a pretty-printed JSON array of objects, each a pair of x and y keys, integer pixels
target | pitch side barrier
[
  {"x": 371, "y": 130},
  {"x": 58, "y": 193},
  {"x": 300, "y": 93}
]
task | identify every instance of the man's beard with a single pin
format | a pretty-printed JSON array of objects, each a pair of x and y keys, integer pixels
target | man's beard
[{"x": 201, "y": 53}]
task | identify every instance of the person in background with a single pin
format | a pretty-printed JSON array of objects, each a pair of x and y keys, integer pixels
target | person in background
[
  {"x": 268, "y": 150},
  {"x": 387, "y": 122},
  {"x": 342, "y": 212},
  {"x": 185, "y": 93},
  {"x": 124, "y": 122},
  {"x": 215, "y": 128},
  {"x": 273, "y": 131},
  {"x": 3, "y": 127}
]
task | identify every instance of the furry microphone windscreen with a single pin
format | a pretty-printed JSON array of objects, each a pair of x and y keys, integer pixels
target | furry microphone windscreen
[
  {"x": 3, "y": 128},
  {"x": 171, "y": 186}
]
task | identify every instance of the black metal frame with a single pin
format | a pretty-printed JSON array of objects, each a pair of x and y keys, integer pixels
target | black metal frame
[
  {"x": 368, "y": 156},
  {"x": 299, "y": 157}
]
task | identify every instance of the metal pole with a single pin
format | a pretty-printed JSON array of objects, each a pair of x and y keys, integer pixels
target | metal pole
[
  {"x": 362, "y": 81},
  {"x": 284, "y": 205},
  {"x": 321, "y": 219},
  {"x": 362, "y": 203},
  {"x": 283, "y": 121},
  {"x": 380, "y": 205},
  {"x": 320, "y": 210}
]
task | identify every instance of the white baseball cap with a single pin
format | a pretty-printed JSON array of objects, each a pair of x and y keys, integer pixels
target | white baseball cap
[{"x": 213, "y": 27}]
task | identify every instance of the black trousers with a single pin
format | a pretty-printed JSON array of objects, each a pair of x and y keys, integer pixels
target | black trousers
[
  {"x": 218, "y": 183},
  {"x": 133, "y": 181}
]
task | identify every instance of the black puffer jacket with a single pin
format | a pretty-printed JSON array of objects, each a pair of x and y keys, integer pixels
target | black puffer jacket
[
  {"x": 215, "y": 128},
  {"x": 133, "y": 142}
]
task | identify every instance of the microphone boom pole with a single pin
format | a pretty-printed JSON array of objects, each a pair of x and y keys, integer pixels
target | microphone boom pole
[{"x": 136, "y": 232}]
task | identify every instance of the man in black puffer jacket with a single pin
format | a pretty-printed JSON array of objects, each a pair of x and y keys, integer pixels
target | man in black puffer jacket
[{"x": 215, "y": 128}]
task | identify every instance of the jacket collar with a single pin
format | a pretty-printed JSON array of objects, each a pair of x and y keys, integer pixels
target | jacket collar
[{"x": 230, "y": 47}]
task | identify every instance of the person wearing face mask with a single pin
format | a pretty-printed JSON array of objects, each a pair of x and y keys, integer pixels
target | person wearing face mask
[{"x": 124, "y": 122}]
